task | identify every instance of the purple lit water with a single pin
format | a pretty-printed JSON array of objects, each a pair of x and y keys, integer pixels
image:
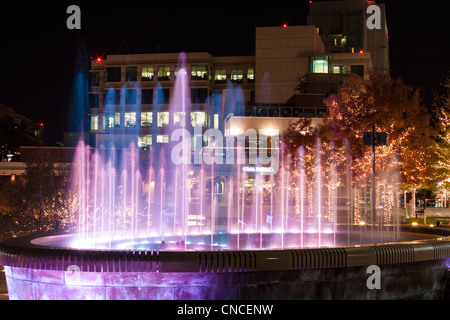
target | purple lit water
[{"x": 132, "y": 198}]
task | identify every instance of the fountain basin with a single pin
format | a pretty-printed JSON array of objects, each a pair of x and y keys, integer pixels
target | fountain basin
[{"x": 414, "y": 269}]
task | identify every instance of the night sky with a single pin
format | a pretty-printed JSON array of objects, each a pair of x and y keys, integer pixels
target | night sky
[{"x": 39, "y": 54}]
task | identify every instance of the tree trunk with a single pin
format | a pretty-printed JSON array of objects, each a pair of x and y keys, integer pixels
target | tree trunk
[{"x": 413, "y": 202}]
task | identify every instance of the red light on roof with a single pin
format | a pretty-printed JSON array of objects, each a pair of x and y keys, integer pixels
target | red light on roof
[
  {"x": 361, "y": 51},
  {"x": 41, "y": 124},
  {"x": 285, "y": 25},
  {"x": 99, "y": 59}
]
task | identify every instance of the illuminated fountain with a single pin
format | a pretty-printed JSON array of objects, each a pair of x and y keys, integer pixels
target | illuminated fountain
[
  {"x": 169, "y": 224},
  {"x": 171, "y": 201}
]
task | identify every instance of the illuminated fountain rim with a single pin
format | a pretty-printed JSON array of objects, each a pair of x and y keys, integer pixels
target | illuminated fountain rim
[{"x": 30, "y": 252}]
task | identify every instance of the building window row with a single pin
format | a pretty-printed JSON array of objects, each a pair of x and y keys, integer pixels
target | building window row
[
  {"x": 320, "y": 64},
  {"x": 163, "y": 73},
  {"x": 148, "y": 97},
  {"x": 131, "y": 120}
]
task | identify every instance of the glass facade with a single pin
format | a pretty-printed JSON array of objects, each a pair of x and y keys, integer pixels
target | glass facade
[
  {"x": 199, "y": 72},
  {"x": 175, "y": 71},
  {"x": 94, "y": 100},
  {"x": 220, "y": 76},
  {"x": 163, "y": 73},
  {"x": 131, "y": 74},
  {"x": 147, "y": 96},
  {"x": 179, "y": 118},
  {"x": 95, "y": 79},
  {"x": 147, "y": 73},
  {"x": 251, "y": 75},
  {"x": 117, "y": 120},
  {"x": 130, "y": 96},
  {"x": 145, "y": 141},
  {"x": 354, "y": 30},
  {"x": 130, "y": 119},
  {"x": 198, "y": 119},
  {"x": 108, "y": 121},
  {"x": 340, "y": 69},
  {"x": 199, "y": 95},
  {"x": 146, "y": 119},
  {"x": 163, "y": 119},
  {"x": 94, "y": 123},
  {"x": 162, "y": 138},
  {"x": 113, "y": 74},
  {"x": 237, "y": 75},
  {"x": 319, "y": 64}
]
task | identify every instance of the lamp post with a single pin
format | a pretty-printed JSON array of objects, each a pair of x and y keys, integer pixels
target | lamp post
[{"x": 374, "y": 139}]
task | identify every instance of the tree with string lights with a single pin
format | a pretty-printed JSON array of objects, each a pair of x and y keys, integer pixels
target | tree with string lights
[
  {"x": 389, "y": 106},
  {"x": 442, "y": 165}
]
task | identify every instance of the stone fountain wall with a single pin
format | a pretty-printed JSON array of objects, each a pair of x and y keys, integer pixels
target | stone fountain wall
[{"x": 417, "y": 280}]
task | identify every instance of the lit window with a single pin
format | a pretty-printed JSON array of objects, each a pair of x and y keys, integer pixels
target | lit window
[
  {"x": 130, "y": 119},
  {"x": 220, "y": 76},
  {"x": 237, "y": 75},
  {"x": 216, "y": 121},
  {"x": 147, "y": 73},
  {"x": 251, "y": 75},
  {"x": 163, "y": 119},
  {"x": 340, "y": 69},
  {"x": 146, "y": 119},
  {"x": 162, "y": 138},
  {"x": 179, "y": 118},
  {"x": 131, "y": 74},
  {"x": 94, "y": 123},
  {"x": 117, "y": 119},
  {"x": 163, "y": 73},
  {"x": 197, "y": 141},
  {"x": 108, "y": 121},
  {"x": 175, "y": 71},
  {"x": 144, "y": 141},
  {"x": 319, "y": 65},
  {"x": 198, "y": 119},
  {"x": 199, "y": 72}
]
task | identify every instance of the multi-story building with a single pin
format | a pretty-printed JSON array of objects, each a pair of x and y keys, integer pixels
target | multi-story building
[
  {"x": 293, "y": 69},
  {"x": 134, "y": 91},
  {"x": 17, "y": 130},
  {"x": 342, "y": 27}
]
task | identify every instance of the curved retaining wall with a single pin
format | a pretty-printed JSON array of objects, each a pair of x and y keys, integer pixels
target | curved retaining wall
[{"x": 412, "y": 270}]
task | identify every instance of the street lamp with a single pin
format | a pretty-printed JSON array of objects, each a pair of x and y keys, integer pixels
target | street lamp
[{"x": 374, "y": 139}]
